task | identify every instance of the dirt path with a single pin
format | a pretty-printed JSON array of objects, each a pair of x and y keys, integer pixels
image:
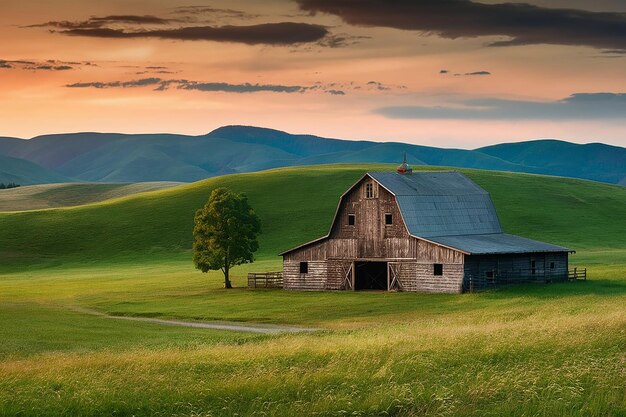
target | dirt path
[{"x": 221, "y": 325}]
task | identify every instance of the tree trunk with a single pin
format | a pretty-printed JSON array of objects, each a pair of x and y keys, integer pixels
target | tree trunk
[{"x": 227, "y": 283}]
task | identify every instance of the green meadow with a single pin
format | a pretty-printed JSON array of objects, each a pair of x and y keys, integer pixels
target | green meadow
[{"x": 547, "y": 350}]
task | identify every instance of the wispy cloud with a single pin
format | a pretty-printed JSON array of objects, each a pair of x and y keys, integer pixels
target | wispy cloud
[
  {"x": 214, "y": 12},
  {"x": 99, "y": 22},
  {"x": 578, "y": 106},
  {"x": 286, "y": 33},
  {"x": 49, "y": 65}
]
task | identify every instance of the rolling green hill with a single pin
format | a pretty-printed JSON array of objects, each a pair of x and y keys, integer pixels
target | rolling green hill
[
  {"x": 25, "y": 172},
  {"x": 594, "y": 160},
  {"x": 111, "y": 157},
  {"x": 295, "y": 205},
  {"x": 43, "y": 196}
]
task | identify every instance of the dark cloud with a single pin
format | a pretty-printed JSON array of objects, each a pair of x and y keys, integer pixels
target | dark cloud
[
  {"x": 99, "y": 22},
  {"x": 575, "y": 107},
  {"x": 118, "y": 84},
  {"x": 268, "y": 33},
  {"x": 207, "y": 10},
  {"x": 237, "y": 88},
  {"x": 522, "y": 24},
  {"x": 444, "y": 71},
  {"x": 50, "y": 68},
  {"x": 160, "y": 84},
  {"x": 477, "y": 73},
  {"x": 48, "y": 65}
]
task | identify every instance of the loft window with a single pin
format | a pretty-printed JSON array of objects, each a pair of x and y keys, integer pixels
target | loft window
[
  {"x": 351, "y": 219},
  {"x": 369, "y": 190},
  {"x": 388, "y": 218},
  {"x": 437, "y": 269},
  {"x": 551, "y": 265},
  {"x": 304, "y": 267}
]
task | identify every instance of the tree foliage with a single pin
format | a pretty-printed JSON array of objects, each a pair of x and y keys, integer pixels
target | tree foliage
[
  {"x": 4, "y": 186},
  {"x": 225, "y": 233}
]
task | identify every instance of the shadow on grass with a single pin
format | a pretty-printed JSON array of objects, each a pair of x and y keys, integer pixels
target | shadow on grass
[{"x": 604, "y": 287}]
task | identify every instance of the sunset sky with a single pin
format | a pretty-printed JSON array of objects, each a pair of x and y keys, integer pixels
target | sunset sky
[{"x": 449, "y": 73}]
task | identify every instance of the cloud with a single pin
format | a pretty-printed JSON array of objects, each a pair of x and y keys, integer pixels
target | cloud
[
  {"x": 575, "y": 107},
  {"x": 268, "y": 33},
  {"x": 118, "y": 84},
  {"x": 160, "y": 84},
  {"x": 99, "y": 22},
  {"x": 50, "y": 68},
  {"x": 222, "y": 13},
  {"x": 49, "y": 65},
  {"x": 477, "y": 73},
  {"x": 237, "y": 88},
  {"x": 522, "y": 24}
]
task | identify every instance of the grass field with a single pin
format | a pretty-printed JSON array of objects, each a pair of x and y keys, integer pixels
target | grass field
[
  {"x": 43, "y": 196},
  {"x": 556, "y": 350}
]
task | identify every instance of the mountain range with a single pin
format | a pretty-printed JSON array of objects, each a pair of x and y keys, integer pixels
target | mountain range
[{"x": 112, "y": 157}]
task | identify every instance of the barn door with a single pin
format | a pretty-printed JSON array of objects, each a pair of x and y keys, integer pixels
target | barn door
[
  {"x": 394, "y": 276},
  {"x": 347, "y": 276}
]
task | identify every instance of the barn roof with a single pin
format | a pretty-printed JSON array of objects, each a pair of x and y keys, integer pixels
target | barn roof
[
  {"x": 441, "y": 203},
  {"x": 449, "y": 209}
]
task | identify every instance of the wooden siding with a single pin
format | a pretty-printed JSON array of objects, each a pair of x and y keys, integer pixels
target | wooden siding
[
  {"x": 371, "y": 239},
  {"x": 315, "y": 279},
  {"x": 515, "y": 268},
  {"x": 450, "y": 282},
  {"x": 419, "y": 276}
]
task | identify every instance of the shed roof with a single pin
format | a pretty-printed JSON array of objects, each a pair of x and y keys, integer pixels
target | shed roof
[{"x": 497, "y": 243}]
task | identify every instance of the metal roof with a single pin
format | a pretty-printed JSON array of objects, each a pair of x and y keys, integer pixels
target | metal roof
[
  {"x": 441, "y": 203},
  {"x": 450, "y": 209},
  {"x": 497, "y": 243}
]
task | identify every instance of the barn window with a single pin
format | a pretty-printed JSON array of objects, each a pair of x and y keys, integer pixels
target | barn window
[
  {"x": 304, "y": 267},
  {"x": 489, "y": 275},
  {"x": 369, "y": 190},
  {"x": 438, "y": 269},
  {"x": 388, "y": 218},
  {"x": 351, "y": 219},
  {"x": 551, "y": 265}
]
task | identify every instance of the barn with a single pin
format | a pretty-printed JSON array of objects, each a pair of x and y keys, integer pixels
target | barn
[{"x": 419, "y": 231}]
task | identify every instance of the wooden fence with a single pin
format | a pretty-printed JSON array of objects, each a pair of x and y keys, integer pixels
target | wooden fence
[
  {"x": 576, "y": 274},
  {"x": 265, "y": 280}
]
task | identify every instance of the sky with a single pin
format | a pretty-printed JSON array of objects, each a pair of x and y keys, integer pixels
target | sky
[{"x": 447, "y": 73}]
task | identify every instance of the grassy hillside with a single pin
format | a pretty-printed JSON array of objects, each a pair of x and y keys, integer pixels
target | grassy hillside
[
  {"x": 25, "y": 172},
  {"x": 45, "y": 196},
  {"x": 295, "y": 205},
  {"x": 532, "y": 350}
]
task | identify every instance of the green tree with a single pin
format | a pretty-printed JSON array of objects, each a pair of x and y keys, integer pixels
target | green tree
[{"x": 225, "y": 233}]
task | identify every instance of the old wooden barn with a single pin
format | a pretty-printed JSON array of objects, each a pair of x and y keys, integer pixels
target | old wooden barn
[{"x": 422, "y": 231}]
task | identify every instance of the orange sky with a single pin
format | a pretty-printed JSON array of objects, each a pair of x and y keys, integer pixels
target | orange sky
[{"x": 347, "y": 91}]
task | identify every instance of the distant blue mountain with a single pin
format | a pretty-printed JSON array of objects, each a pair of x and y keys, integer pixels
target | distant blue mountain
[{"x": 102, "y": 157}]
